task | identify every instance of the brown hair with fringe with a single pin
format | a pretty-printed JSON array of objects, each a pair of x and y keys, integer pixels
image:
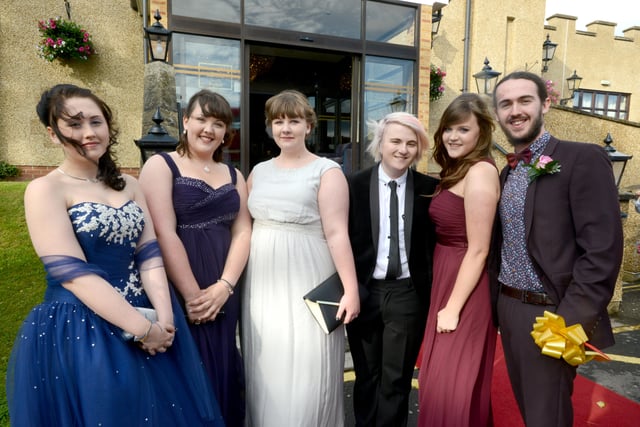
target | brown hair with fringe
[
  {"x": 212, "y": 104},
  {"x": 460, "y": 109},
  {"x": 289, "y": 103}
]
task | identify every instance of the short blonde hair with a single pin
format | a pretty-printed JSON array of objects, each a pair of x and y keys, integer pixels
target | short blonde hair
[{"x": 401, "y": 118}]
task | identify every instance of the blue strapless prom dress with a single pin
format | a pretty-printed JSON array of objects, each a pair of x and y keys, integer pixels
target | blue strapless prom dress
[{"x": 70, "y": 367}]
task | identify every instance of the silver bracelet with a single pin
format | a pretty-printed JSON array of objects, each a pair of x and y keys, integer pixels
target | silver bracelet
[{"x": 228, "y": 285}]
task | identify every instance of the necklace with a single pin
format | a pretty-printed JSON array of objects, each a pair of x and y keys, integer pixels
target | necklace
[
  {"x": 92, "y": 180},
  {"x": 206, "y": 169}
]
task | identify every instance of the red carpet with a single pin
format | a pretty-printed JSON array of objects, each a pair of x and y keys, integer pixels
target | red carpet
[{"x": 593, "y": 404}]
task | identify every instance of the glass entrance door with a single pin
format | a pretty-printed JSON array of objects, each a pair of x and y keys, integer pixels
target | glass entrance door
[{"x": 324, "y": 77}]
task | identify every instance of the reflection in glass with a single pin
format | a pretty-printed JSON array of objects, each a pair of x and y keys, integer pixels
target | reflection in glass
[
  {"x": 391, "y": 23},
  {"x": 387, "y": 80},
  {"x": 214, "y": 64},
  {"x": 339, "y": 18},
  {"x": 217, "y": 10}
]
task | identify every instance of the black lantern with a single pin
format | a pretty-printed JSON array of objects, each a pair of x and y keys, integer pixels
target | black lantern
[
  {"x": 435, "y": 22},
  {"x": 157, "y": 140},
  {"x": 486, "y": 79},
  {"x": 618, "y": 159},
  {"x": 573, "y": 82},
  {"x": 398, "y": 103},
  {"x": 158, "y": 39},
  {"x": 548, "y": 50}
]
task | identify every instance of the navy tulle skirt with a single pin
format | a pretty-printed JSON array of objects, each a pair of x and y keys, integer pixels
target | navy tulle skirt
[{"x": 69, "y": 367}]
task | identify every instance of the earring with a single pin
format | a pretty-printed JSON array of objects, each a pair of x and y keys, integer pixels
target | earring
[{"x": 184, "y": 132}]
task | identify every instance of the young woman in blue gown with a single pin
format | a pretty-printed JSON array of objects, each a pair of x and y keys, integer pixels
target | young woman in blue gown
[{"x": 85, "y": 355}]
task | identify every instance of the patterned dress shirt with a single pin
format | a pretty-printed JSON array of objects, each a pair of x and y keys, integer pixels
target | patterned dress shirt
[{"x": 517, "y": 268}]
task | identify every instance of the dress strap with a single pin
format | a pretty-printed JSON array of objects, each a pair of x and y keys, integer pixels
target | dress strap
[
  {"x": 232, "y": 172},
  {"x": 172, "y": 165}
]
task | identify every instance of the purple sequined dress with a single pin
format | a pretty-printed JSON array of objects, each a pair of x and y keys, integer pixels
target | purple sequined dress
[{"x": 204, "y": 216}]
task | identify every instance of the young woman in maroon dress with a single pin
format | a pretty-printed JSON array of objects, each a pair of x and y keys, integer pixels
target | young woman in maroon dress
[{"x": 459, "y": 340}]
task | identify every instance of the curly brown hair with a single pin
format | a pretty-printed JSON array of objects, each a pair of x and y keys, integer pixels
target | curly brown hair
[{"x": 51, "y": 108}]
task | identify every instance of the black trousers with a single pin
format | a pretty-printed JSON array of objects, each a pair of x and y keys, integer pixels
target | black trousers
[
  {"x": 384, "y": 341},
  {"x": 541, "y": 384}
]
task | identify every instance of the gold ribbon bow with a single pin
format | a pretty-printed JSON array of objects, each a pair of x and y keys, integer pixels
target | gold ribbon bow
[{"x": 559, "y": 341}]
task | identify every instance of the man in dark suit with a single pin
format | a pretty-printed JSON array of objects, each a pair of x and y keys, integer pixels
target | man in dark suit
[
  {"x": 393, "y": 261},
  {"x": 557, "y": 246}
]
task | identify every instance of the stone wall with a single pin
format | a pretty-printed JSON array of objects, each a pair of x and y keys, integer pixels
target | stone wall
[{"x": 115, "y": 73}]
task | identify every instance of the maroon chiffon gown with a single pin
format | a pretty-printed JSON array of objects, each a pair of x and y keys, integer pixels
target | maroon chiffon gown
[{"x": 456, "y": 368}]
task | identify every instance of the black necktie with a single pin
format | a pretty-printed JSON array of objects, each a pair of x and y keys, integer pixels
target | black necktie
[
  {"x": 393, "y": 268},
  {"x": 514, "y": 158}
]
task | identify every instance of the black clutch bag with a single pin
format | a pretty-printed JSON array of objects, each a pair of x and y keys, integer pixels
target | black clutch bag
[{"x": 323, "y": 302}]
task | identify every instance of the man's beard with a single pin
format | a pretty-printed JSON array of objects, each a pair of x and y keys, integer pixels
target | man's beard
[{"x": 529, "y": 137}]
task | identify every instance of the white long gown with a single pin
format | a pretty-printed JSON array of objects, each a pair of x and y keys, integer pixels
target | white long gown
[{"x": 294, "y": 371}]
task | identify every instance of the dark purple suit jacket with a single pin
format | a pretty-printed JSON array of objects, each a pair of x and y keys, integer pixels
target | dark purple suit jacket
[{"x": 574, "y": 236}]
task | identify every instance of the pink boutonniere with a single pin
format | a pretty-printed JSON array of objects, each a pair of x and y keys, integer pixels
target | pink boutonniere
[{"x": 544, "y": 165}]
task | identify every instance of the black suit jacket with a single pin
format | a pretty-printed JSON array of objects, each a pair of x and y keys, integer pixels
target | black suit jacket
[
  {"x": 574, "y": 236},
  {"x": 419, "y": 230}
]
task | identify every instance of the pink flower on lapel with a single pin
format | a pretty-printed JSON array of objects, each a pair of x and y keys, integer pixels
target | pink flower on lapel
[
  {"x": 543, "y": 160},
  {"x": 543, "y": 165}
]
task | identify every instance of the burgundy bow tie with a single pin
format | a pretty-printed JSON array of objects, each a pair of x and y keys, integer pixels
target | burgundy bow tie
[{"x": 514, "y": 158}]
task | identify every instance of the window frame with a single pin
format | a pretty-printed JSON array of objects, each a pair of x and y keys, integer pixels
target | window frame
[{"x": 614, "y": 113}]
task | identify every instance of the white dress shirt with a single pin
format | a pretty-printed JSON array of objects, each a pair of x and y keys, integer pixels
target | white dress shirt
[{"x": 384, "y": 194}]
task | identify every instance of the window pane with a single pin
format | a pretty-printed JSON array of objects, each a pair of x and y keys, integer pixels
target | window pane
[
  {"x": 214, "y": 64},
  {"x": 587, "y": 100},
  {"x": 340, "y": 18},
  {"x": 612, "y": 102},
  {"x": 599, "y": 104},
  {"x": 217, "y": 10},
  {"x": 391, "y": 23},
  {"x": 388, "y": 86},
  {"x": 623, "y": 102}
]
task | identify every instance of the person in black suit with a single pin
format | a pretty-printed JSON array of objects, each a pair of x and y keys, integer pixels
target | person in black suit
[{"x": 394, "y": 267}]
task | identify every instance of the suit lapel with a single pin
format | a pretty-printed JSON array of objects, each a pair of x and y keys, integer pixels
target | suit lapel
[
  {"x": 374, "y": 206},
  {"x": 529, "y": 202},
  {"x": 408, "y": 212}
]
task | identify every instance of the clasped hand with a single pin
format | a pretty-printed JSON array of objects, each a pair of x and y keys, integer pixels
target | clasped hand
[
  {"x": 159, "y": 338},
  {"x": 208, "y": 304}
]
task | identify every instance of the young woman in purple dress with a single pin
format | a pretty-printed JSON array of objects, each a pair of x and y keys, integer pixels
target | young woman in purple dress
[{"x": 199, "y": 208}]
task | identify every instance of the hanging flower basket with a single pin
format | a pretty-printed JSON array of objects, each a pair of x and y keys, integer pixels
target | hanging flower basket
[
  {"x": 436, "y": 85},
  {"x": 65, "y": 40}
]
